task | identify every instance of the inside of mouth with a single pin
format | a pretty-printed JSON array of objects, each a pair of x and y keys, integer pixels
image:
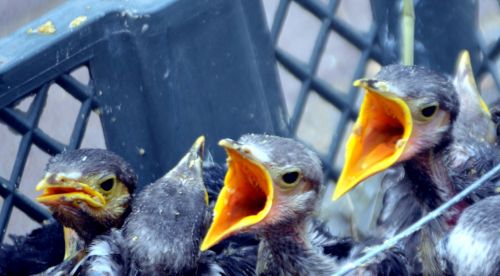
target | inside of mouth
[
  {"x": 385, "y": 127},
  {"x": 244, "y": 198},
  {"x": 66, "y": 194},
  {"x": 60, "y": 190},
  {"x": 379, "y": 137}
]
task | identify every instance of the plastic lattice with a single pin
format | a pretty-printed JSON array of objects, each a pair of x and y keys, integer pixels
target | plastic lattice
[
  {"x": 23, "y": 117},
  {"x": 342, "y": 98},
  {"x": 327, "y": 25},
  {"x": 146, "y": 67}
]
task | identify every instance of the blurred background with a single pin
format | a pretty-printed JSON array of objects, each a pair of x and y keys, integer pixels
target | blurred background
[{"x": 316, "y": 126}]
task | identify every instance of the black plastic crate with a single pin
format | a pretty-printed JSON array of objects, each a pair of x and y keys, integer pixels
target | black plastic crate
[{"x": 160, "y": 74}]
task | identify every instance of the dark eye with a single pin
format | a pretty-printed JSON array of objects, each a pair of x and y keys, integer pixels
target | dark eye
[
  {"x": 108, "y": 184},
  {"x": 429, "y": 111},
  {"x": 290, "y": 177}
]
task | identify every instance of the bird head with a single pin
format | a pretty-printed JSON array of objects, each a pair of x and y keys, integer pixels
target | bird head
[
  {"x": 467, "y": 88},
  {"x": 270, "y": 181},
  {"x": 406, "y": 110},
  {"x": 192, "y": 162},
  {"x": 87, "y": 183},
  {"x": 472, "y": 106},
  {"x": 189, "y": 170}
]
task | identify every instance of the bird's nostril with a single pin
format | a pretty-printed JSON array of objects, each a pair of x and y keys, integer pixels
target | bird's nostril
[
  {"x": 52, "y": 179},
  {"x": 371, "y": 83}
]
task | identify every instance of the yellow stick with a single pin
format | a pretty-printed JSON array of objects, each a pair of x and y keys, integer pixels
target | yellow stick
[{"x": 407, "y": 32}]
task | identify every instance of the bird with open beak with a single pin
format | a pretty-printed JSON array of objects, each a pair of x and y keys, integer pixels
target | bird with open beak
[
  {"x": 406, "y": 113},
  {"x": 88, "y": 191},
  {"x": 162, "y": 234},
  {"x": 409, "y": 122},
  {"x": 271, "y": 188}
]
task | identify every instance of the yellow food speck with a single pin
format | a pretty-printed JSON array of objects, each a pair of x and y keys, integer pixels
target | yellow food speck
[
  {"x": 357, "y": 130},
  {"x": 47, "y": 28},
  {"x": 400, "y": 143},
  {"x": 77, "y": 21}
]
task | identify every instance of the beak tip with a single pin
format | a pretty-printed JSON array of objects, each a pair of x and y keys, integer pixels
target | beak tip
[
  {"x": 40, "y": 186},
  {"x": 204, "y": 246},
  {"x": 463, "y": 63},
  {"x": 464, "y": 56},
  {"x": 200, "y": 140},
  {"x": 226, "y": 143},
  {"x": 198, "y": 148},
  {"x": 343, "y": 187},
  {"x": 337, "y": 195}
]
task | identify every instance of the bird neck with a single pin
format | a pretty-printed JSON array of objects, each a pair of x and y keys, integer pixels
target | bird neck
[
  {"x": 428, "y": 172},
  {"x": 431, "y": 182},
  {"x": 287, "y": 250},
  {"x": 86, "y": 226},
  {"x": 286, "y": 232},
  {"x": 429, "y": 178}
]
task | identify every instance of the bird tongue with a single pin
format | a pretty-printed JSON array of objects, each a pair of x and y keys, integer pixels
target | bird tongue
[
  {"x": 245, "y": 199},
  {"x": 377, "y": 141}
]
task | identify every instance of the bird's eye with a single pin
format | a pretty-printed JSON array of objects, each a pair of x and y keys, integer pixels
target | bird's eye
[
  {"x": 290, "y": 178},
  {"x": 108, "y": 184},
  {"x": 429, "y": 111}
]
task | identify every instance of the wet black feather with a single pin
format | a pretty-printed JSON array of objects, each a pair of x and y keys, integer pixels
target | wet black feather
[
  {"x": 213, "y": 177},
  {"x": 495, "y": 116},
  {"x": 33, "y": 253}
]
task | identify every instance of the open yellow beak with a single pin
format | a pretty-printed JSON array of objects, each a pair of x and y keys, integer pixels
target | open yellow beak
[
  {"x": 379, "y": 137},
  {"x": 245, "y": 199},
  {"x": 68, "y": 192}
]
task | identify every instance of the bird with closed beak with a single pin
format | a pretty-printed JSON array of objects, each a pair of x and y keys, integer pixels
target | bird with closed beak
[
  {"x": 474, "y": 120},
  {"x": 88, "y": 192}
]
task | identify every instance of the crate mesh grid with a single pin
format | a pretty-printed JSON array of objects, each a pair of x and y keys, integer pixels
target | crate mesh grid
[
  {"x": 344, "y": 100},
  {"x": 23, "y": 118}
]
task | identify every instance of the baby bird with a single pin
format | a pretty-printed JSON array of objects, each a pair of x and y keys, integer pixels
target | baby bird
[{"x": 271, "y": 189}]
